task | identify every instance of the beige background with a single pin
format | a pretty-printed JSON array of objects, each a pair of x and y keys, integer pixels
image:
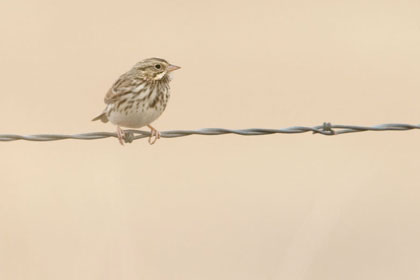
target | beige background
[{"x": 225, "y": 207}]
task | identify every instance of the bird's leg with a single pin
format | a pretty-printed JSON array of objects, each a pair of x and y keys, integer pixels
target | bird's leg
[
  {"x": 121, "y": 135},
  {"x": 154, "y": 134}
]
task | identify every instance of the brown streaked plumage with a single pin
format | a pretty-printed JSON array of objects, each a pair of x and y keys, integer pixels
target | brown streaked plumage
[{"x": 139, "y": 97}]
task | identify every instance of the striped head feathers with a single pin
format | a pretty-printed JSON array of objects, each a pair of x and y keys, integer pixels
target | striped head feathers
[{"x": 153, "y": 69}]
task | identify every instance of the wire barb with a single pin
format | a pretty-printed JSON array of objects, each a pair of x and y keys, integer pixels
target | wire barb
[{"x": 131, "y": 135}]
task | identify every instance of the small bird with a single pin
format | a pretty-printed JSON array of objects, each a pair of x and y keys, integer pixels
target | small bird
[{"x": 139, "y": 97}]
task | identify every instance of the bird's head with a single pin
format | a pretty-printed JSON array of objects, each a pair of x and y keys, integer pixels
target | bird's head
[{"x": 154, "y": 69}]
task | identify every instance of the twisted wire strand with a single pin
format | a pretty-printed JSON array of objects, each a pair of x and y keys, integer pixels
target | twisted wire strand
[{"x": 326, "y": 129}]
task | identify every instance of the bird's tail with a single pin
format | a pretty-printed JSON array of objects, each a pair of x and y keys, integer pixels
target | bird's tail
[{"x": 101, "y": 117}]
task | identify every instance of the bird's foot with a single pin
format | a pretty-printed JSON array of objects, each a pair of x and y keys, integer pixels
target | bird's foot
[
  {"x": 154, "y": 135},
  {"x": 121, "y": 135}
]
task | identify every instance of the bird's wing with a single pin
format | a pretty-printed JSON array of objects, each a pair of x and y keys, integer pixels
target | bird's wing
[{"x": 124, "y": 85}]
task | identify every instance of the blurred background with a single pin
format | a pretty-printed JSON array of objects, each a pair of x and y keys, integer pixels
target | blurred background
[{"x": 225, "y": 207}]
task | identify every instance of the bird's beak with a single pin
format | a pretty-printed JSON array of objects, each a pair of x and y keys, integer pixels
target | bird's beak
[{"x": 173, "y": 68}]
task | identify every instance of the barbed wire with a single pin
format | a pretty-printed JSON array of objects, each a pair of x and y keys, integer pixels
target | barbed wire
[{"x": 131, "y": 135}]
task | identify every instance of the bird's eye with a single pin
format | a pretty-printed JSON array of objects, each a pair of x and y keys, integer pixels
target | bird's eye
[{"x": 158, "y": 66}]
